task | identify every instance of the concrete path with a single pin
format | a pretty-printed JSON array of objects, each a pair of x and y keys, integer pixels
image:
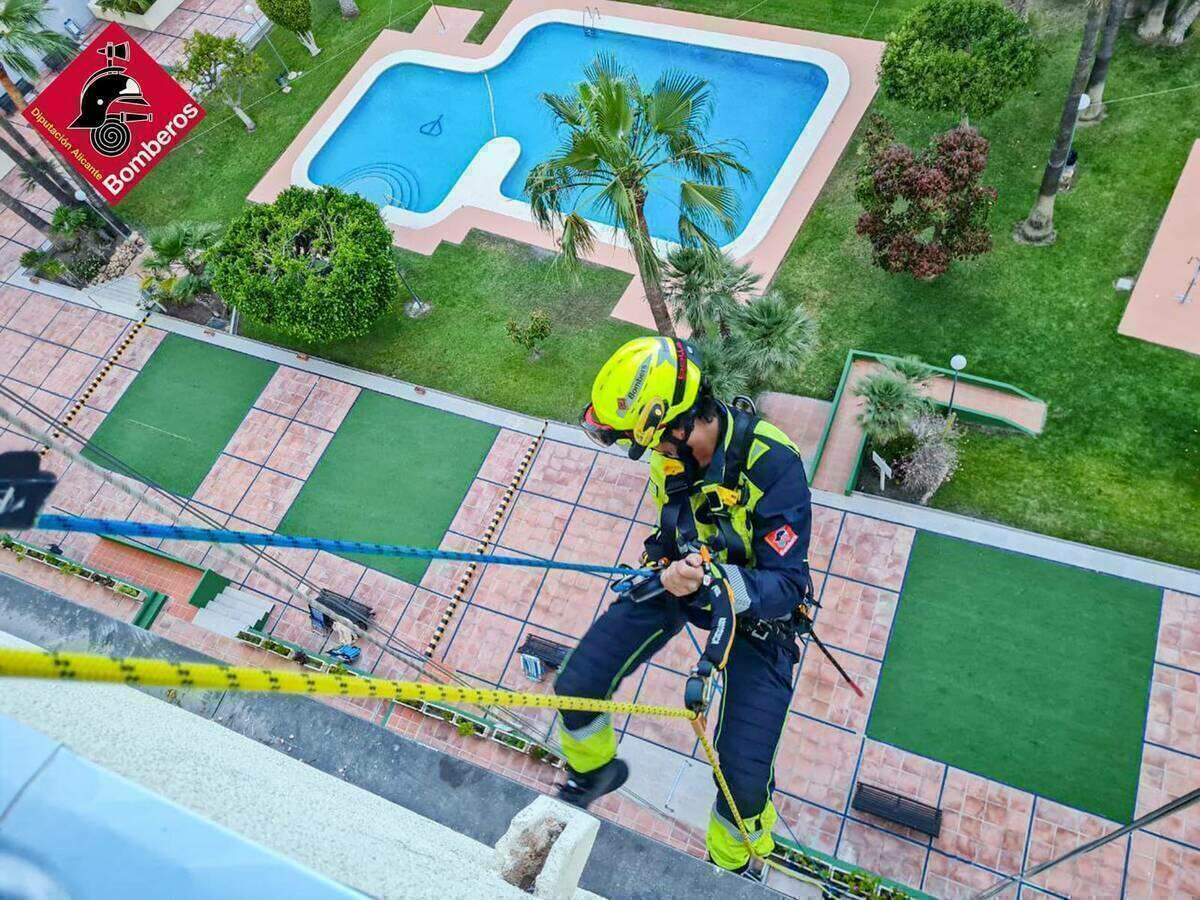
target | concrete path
[{"x": 844, "y": 442}]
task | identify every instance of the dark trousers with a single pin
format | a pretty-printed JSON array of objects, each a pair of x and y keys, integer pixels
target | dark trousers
[{"x": 754, "y": 701}]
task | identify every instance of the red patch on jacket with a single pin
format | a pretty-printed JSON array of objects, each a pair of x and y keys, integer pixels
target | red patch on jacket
[{"x": 782, "y": 539}]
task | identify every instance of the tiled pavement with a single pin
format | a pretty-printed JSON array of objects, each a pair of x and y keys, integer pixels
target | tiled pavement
[{"x": 578, "y": 504}]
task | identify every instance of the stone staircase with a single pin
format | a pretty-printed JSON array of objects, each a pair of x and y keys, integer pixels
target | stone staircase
[{"x": 232, "y": 611}]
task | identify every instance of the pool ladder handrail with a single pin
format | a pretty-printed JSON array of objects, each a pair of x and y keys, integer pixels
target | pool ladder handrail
[{"x": 592, "y": 14}]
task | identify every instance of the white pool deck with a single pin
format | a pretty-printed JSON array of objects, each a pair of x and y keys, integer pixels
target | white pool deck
[{"x": 476, "y": 202}]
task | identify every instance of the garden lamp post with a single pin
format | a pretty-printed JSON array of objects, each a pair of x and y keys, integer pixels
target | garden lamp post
[
  {"x": 958, "y": 362},
  {"x": 416, "y": 307},
  {"x": 282, "y": 79}
]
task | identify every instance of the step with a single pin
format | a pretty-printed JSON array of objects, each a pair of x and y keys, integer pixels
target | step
[
  {"x": 242, "y": 603},
  {"x": 214, "y": 621}
]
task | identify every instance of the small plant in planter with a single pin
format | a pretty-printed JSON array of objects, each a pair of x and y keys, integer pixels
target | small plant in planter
[
  {"x": 466, "y": 728},
  {"x": 6, "y": 542},
  {"x": 129, "y": 591},
  {"x": 101, "y": 579}
]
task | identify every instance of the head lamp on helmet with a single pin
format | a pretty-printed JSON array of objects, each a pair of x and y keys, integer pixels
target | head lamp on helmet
[{"x": 646, "y": 385}]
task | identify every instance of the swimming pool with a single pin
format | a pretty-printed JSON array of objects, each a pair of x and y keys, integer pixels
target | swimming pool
[{"x": 423, "y": 134}]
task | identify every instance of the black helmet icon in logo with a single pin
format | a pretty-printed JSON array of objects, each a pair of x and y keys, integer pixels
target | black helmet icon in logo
[{"x": 106, "y": 87}]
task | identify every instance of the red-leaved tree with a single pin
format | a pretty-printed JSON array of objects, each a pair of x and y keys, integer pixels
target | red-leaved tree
[{"x": 924, "y": 210}]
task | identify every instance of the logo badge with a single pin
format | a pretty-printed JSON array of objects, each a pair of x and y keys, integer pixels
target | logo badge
[
  {"x": 782, "y": 539},
  {"x": 113, "y": 113}
]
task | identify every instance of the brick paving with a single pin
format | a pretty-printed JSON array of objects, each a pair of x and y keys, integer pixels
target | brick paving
[{"x": 578, "y": 504}]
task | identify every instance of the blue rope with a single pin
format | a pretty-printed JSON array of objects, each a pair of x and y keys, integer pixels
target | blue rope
[{"x": 120, "y": 528}]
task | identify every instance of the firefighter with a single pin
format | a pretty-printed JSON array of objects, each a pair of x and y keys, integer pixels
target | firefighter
[{"x": 729, "y": 488}]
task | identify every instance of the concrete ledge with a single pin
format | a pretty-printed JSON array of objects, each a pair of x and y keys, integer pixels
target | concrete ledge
[{"x": 149, "y": 20}]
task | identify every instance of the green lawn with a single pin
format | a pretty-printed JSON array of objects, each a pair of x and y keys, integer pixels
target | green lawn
[
  {"x": 1024, "y": 671},
  {"x": 395, "y": 473},
  {"x": 173, "y": 421},
  {"x": 1117, "y": 464}
]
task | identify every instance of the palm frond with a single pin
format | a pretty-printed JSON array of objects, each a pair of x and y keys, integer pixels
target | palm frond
[
  {"x": 678, "y": 102},
  {"x": 775, "y": 336},
  {"x": 566, "y": 109},
  {"x": 713, "y": 205}
]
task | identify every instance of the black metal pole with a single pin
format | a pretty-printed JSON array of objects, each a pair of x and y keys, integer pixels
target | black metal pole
[{"x": 837, "y": 665}]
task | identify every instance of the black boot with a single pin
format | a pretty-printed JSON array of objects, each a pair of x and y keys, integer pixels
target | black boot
[{"x": 582, "y": 789}]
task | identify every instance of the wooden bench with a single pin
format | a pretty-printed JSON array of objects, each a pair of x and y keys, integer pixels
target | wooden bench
[
  {"x": 538, "y": 653},
  {"x": 889, "y": 805}
]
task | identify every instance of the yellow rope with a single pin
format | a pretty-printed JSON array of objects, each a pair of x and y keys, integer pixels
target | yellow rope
[{"x": 161, "y": 673}]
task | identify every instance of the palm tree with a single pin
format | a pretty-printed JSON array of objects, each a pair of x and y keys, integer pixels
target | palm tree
[
  {"x": 21, "y": 32},
  {"x": 622, "y": 141},
  {"x": 1038, "y": 228},
  {"x": 773, "y": 337},
  {"x": 724, "y": 369},
  {"x": 175, "y": 266},
  {"x": 1095, "y": 85},
  {"x": 36, "y": 171},
  {"x": 891, "y": 404},
  {"x": 706, "y": 290}
]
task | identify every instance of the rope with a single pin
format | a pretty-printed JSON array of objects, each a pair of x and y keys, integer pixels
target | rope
[
  {"x": 121, "y": 528},
  {"x": 465, "y": 581},
  {"x": 162, "y": 673}
]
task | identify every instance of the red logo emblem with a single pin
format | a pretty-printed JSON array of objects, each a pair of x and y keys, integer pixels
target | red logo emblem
[
  {"x": 782, "y": 539},
  {"x": 113, "y": 113}
]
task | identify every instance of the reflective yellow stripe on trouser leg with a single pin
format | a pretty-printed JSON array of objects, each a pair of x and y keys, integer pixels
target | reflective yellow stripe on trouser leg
[
  {"x": 726, "y": 845},
  {"x": 589, "y": 747}
]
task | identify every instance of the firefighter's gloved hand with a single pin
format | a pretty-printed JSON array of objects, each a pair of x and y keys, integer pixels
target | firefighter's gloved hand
[{"x": 684, "y": 576}]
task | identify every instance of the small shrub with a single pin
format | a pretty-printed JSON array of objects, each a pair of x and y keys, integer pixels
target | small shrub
[
  {"x": 772, "y": 337},
  {"x": 724, "y": 367},
  {"x": 891, "y": 404},
  {"x": 85, "y": 266},
  {"x": 466, "y": 728},
  {"x": 43, "y": 264},
  {"x": 934, "y": 460},
  {"x": 126, "y": 7},
  {"x": 532, "y": 335},
  {"x": 70, "y": 224}
]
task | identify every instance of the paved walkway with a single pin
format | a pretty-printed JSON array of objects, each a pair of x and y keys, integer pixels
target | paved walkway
[
  {"x": 845, "y": 441},
  {"x": 580, "y": 503}
]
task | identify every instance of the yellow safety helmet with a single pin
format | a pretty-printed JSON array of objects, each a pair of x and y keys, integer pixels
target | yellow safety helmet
[{"x": 642, "y": 388}]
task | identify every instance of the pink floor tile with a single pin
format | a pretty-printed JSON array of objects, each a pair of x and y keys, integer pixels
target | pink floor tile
[
  {"x": 984, "y": 822},
  {"x": 1165, "y": 776},
  {"x": 873, "y": 551},
  {"x": 445, "y": 576},
  {"x": 508, "y": 589},
  {"x": 299, "y": 450},
  {"x": 112, "y": 387},
  {"x": 647, "y": 510},
  {"x": 950, "y": 879},
  {"x": 70, "y": 374},
  {"x": 567, "y": 602},
  {"x": 1057, "y": 829},
  {"x": 335, "y": 573},
  {"x": 514, "y": 679},
  {"x": 813, "y": 827},
  {"x": 825, "y": 526},
  {"x": 1179, "y": 631},
  {"x": 327, "y": 404},
  {"x": 478, "y": 509},
  {"x": 226, "y": 484},
  {"x": 505, "y": 456},
  {"x": 482, "y": 643},
  {"x": 616, "y": 485},
  {"x": 100, "y": 335},
  {"x": 38, "y": 362},
  {"x": 13, "y": 346},
  {"x": 419, "y": 619},
  {"x": 559, "y": 471},
  {"x": 35, "y": 314},
  {"x": 635, "y": 544},
  {"x": 882, "y": 853},
  {"x": 66, "y": 327},
  {"x": 11, "y": 300},
  {"x": 387, "y": 597},
  {"x": 822, "y": 693},
  {"x": 142, "y": 347},
  {"x": 905, "y": 773},
  {"x": 816, "y": 762},
  {"x": 1174, "y": 719},
  {"x": 593, "y": 537},
  {"x": 1159, "y": 869},
  {"x": 856, "y": 616},
  {"x": 286, "y": 392},
  {"x": 257, "y": 436},
  {"x": 535, "y": 525},
  {"x": 268, "y": 499},
  {"x": 662, "y": 688}
]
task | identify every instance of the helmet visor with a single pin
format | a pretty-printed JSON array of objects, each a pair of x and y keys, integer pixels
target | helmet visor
[{"x": 601, "y": 434}]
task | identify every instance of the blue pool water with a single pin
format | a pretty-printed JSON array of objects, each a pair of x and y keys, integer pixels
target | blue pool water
[{"x": 412, "y": 134}]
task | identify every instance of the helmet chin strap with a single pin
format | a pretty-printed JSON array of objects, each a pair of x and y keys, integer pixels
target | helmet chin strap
[{"x": 687, "y": 422}]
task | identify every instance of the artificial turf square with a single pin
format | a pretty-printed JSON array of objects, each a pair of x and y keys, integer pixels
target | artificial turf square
[
  {"x": 176, "y": 417},
  {"x": 394, "y": 473},
  {"x": 1027, "y": 672}
]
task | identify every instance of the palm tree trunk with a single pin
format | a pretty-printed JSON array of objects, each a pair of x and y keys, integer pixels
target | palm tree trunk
[
  {"x": 1039, "y": 227},
  {"x": 652, "y": 280},
  {"x": 45, "y": 167},
  {"x": 1185, "y": 16},
  {"x": 37, "y": 170},
  {"x": 1095, "y": 85},
  {"x": 24, "y": 211},
  {"x": 349, "y": 8},
  {"x": 1152, "y": 26},
  {"x": 10, "y": 88}
]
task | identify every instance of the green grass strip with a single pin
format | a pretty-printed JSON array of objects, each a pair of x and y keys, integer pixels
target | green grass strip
[
  {"x": 179, "y": 413},
  {"x": 394, "y": 473},
  {"x": 1028, "y": 672}
]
